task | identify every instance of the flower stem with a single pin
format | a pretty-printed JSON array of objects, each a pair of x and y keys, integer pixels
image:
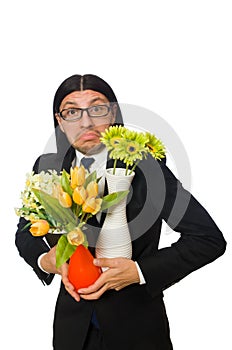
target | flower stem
[
  {"x": 88, "y": 216},
  {"x": 133, "y": 168},
  {"x": 115, "y": 163},
  {"x": 127, "y": 168},
  {"x": 82, "y": 217}
]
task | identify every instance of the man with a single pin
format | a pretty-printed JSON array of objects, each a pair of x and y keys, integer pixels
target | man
[{"x": 124, "y": 308}]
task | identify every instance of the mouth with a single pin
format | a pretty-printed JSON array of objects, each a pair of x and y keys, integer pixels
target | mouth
[{"x": 87, "y": 136}]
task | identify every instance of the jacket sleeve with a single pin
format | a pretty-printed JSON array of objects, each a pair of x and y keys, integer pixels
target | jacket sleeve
[
  {"x": 30, "y": 247},
  {"x": 200, "y": 242}
]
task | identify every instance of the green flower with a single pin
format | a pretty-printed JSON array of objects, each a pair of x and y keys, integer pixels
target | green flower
[
  {"x": 113, "y": 136},
  {"x": 129, "y": 152},
  {"x": 131, "y": 146},
  {"x": 155, "y": 146},
  {"x": 131, "y": 149},
  {"x": 139, "y": 137}
]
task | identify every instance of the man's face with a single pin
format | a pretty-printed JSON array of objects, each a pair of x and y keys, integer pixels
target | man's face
[{"x": 84, "y": 134}]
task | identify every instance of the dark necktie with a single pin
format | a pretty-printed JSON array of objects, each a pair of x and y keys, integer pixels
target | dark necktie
[{"x": 87, "y": 162}]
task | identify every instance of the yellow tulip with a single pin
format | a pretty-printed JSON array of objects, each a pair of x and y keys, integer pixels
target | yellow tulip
[
  {"x": 79, "y": 195},
  {"x": 65, "y": 200},
  {"x": 92, "y": 205},
  {"x": 92, "y": 189},
  {"x": 76, "y": 237},
  {"x": 39, "y": 228},
  {"x": 56, "y": 190},
  {"x": 77, "y": 176}
]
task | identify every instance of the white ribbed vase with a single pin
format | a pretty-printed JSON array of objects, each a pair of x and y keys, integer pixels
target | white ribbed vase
[{"x": 114, "y": 239}]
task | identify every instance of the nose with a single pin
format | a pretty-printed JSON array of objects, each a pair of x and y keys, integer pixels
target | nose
[{"x": 86, "y": 121}]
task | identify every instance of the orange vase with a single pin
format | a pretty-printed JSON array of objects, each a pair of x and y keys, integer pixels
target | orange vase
[{"x": 82, "y": 272}]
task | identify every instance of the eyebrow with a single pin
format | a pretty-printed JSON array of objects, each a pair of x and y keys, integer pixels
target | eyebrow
[{"x": 95, "y": 99}]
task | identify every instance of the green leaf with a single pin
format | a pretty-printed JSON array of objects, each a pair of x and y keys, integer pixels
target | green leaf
[
  {"x": 65, "y": 183},
  {"x": 64, "y": 250},
  {"x": 54, "y": 209},
  {"x": 41, "y": 215},
  {"x": 112, "y": 199},
  {"x": 90, "y": 177},
  {"x": 26, "y": 226},
  {"x": 70, "y": 226}
]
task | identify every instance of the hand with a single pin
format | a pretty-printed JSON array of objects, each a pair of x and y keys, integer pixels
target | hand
[
  {"x": 63, "y": 270},
  {"x": 48, "y": 263},
  {"x": 121, "y": 273}
]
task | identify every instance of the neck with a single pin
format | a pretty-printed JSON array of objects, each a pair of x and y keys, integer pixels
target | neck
[{"x": 94, "y": 150}]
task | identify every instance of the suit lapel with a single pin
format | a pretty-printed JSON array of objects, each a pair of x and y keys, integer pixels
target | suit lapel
[{"x": 68, "y": 159}]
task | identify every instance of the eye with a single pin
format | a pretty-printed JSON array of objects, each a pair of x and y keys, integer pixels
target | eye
[
  {"x": 71, "y": 112},
  {"x": 98, "y": 110}
]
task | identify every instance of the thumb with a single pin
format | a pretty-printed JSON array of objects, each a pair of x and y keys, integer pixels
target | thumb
[{"x": 63, "y": 270}]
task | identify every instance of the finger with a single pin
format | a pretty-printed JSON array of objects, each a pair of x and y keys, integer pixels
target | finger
[
  {"x": 71, "y": 290},
  {"x": 107, "y": 262},
  {"x": 121, "y": 286},
  {"x": 98, "y": 284},
  {"x": 73, "y": 294},
  {"x": 94, "y": 296},
  {"x": 67, "y": 284}
]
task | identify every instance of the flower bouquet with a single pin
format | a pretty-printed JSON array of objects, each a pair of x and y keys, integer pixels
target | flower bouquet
[
  {"x": 130, "y": 147},
  {"x": 63, "y": 204}
]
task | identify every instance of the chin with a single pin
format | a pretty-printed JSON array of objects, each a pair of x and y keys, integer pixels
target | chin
[{"x": 89, "y": 149}]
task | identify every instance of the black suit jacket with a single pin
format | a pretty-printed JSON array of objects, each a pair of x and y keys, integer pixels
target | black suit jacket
[{"x": 135, "y": 318}]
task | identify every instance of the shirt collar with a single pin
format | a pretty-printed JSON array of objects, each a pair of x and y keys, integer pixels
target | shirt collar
[{"x": 99, "y": 159}]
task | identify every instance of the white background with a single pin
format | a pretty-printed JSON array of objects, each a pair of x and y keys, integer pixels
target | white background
[{"x": 172, "y": 57}]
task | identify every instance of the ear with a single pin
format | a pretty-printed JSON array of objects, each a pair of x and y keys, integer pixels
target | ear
[{"x": 58, "y": 118}]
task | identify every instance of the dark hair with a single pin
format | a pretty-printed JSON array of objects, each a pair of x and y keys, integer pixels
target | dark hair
[
  {"x": 84, "y": 82},
  {"x": 79, "y": 83}
]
